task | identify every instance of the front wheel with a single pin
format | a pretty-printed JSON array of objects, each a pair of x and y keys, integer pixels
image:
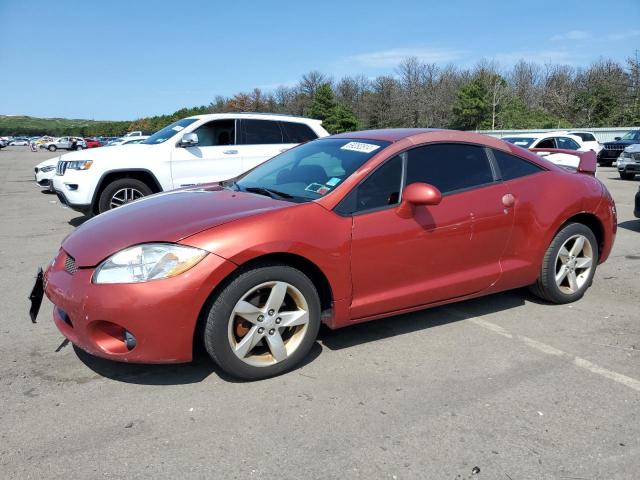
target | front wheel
[
  {"x": 568, "y": 265},
  {"x": 52, "y": 148},
  {"x": 122, "y": 191},
  {"x": 627, "y": 175},
  {"x": 263, "y": 323}
]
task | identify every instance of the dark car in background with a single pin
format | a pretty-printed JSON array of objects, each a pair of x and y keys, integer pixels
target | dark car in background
[{"x": 612, "y": 150}]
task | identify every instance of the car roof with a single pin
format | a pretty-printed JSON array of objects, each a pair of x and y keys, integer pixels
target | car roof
[
  {"x": 256, "y": 116},
  {"x": 417, "y": 136}
]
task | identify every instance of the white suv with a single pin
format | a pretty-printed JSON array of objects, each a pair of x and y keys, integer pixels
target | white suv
[{"x": 194, "y": 150}]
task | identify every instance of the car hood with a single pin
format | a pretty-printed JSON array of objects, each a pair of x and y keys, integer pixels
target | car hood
[
  {"x": 106, "y": 152},
  {"x": 51, "y": 161},
  {"x": 621, "y": 143},
  {"x": 165, "y": 217}
]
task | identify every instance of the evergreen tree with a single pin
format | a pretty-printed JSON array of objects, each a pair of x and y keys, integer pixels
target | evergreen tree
[
  {"x": 472, "y": 111},
  {"x": 324, "y": 102}
]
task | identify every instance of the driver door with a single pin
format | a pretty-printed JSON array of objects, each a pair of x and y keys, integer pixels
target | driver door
[{"x": 214, "y": 158}]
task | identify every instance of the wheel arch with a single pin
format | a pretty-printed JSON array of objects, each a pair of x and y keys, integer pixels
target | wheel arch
[
  {"x": 141, "y": 174},
  {"x": 306, "y": 266},
  {"x": 592, "y": 222}
]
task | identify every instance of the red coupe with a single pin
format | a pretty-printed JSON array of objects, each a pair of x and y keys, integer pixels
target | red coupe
[
  {"x": 92, "y": 143},
  {"x": 341, "y": 230}
]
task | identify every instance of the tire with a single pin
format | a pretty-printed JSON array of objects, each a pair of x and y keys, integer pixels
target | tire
[
  {"x": 79, "y": 147},
  {"x": 546, "y": 287},
  {"x": 136, "y": 189},
  {"x": 52, "y": 148},
  {"x": 627, "y": 175},
  {"x": 225, "y": 329}
]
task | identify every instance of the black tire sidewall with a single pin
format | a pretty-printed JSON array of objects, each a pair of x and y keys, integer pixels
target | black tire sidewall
[
  {"x": 216, "y": 328},
  {"x": 113, "y": 187},
  {"x": 548, "y": 282},
  {"x": 52, "y": 148}
]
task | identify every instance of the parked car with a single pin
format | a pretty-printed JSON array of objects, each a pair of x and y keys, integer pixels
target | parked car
[
  {"x": 45, "y": 171},
  {"x": 612, "y": 150},
  {"x": 19, "y": 142},
  {"x": 127, "y": 140},
  {"x": 588, "y": 139},
  {"x": 327, "y": 232},
  {"x": 628, "y": 163},
  {"x": 552, "y": 140},
  {"x": 3, "y": 143},
  {"x": 191, "y": 151},
  {"x": 65, "y": 143},
  {"x": 92, "y": 143},
  {"x": 136, "y": 133},
  {"x": 636, "y": 210}
]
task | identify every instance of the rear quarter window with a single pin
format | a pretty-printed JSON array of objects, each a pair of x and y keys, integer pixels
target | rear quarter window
[
  {"x": 297, "y": 132},
  {"x": 514, "y": 167}
]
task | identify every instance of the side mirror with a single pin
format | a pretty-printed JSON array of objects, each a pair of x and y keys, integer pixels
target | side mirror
[
  {"x": 418, "y": 194},
  {"x": 617, "y": 138},
  {"x": 189, "y": 140}
]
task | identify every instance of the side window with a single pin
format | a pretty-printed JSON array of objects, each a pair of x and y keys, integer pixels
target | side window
[
  {"x": 514, "y": 167},
  {"x": 216, "y": 133},
  {"x": 380, "y": 189},
  {"x": 567, "y": 143},
  {"x": 260, "y": 132},
  {"x": 449, "y": 166},
  {"x": 297, "y": 132},
  {"x": 546, "y": 143}
]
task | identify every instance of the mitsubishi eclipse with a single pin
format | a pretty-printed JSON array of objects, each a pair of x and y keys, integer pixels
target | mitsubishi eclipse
[{"x": 340, "y": 230}]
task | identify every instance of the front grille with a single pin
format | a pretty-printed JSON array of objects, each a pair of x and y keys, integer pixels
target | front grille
[
  {"x": 70, "y": 265},
  {"x": 613, "y": 146},
  {"x": 61, "y": 167}
]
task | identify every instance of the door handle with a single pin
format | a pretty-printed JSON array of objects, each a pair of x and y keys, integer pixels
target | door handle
[
  {"x": 508, "y": 200},
  {"x": 230, "y": 152}
]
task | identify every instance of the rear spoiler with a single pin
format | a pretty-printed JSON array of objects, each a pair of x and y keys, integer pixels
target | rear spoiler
[{"x": 587, "y": 163}]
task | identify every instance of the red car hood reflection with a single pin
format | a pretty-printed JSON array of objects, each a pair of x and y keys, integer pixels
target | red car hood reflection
[{"x": 167, "y": 217}]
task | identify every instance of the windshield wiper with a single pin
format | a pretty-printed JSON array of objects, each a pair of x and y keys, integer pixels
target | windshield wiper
[{"x": 268, "y": 192}]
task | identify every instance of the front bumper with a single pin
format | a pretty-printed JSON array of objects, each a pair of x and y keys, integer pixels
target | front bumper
[
  {"x": 82, "y": 208},
  {"x": 628, "y": 166},
  {"x": 160, "y": 315},
  {"x": 608, "y": 156}
]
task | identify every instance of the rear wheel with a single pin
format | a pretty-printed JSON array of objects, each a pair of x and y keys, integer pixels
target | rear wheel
[
  {"x": 627, "y": 175},
  {"x": 568, "y": 266},
  {"x": 122, "y": 191},
  {"x": 263, "y": 323}
]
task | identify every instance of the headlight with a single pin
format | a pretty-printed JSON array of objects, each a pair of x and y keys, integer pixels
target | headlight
[
  {"x": 48, "y": 168},
  {"x": 80, "y": 165},
  {"x": 150, "y": 261}
]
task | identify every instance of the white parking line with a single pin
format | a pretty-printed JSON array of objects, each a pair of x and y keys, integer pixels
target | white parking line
[{"x": 549, "y": 350}]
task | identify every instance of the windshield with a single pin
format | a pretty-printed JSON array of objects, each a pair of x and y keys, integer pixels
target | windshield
[
  {"x": 632, "y": 135},
  {"x": 311, "y": 170},
  {"x": 169, "y": 131},
  {"x": 523, "y": 142}
]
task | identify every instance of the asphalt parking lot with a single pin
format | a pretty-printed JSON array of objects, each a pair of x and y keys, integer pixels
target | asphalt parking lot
[{"x": 502, "y": 387}]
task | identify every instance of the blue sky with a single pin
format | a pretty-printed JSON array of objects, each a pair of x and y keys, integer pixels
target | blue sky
[{"x": 123, "y": 60}]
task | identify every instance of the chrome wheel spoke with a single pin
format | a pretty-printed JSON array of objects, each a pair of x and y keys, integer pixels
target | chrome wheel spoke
[
  {"x": 577, "y": 246},
  {"x": 573, "y": 281},
  {"x": 276, "y": 297},
  {"x": 563, "y": 254},
  {"x": 562, "y": 273},
  {"x": 247, "y": 343},
  {"x": 583, "y": 262},
  {"x": 293, "y": 319},
  {"x": 277, "y": 347},
  {"x": 248, "y": 311}
]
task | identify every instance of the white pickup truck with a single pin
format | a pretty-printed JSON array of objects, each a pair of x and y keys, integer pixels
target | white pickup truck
[{"x": 194, "y": 150}]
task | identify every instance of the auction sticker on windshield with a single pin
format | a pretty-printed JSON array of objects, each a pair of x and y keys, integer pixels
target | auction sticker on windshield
[{"x": 360, "y": 147}]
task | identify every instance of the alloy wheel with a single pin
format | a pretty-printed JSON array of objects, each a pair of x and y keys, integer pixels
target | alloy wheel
[
  {"x": 268, "y": 323},
  {"x": 573, "y": 264},
  {"x": 124, "y": 195}
]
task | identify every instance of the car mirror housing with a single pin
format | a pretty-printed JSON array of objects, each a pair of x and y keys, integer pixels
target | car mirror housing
[
  {"x": 617, "y": 138},
  {"x": 189, "y": 140},
  {"x": 417, "y": 194}
]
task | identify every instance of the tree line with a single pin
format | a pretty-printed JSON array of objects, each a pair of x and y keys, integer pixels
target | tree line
[{"x": 527, "y": 95}]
